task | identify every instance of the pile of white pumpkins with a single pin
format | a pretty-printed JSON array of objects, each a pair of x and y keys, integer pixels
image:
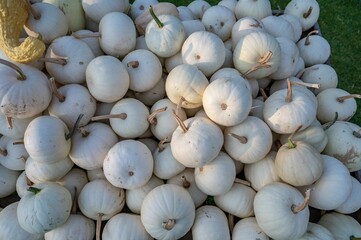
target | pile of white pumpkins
[{"x": 137, "y": 113}]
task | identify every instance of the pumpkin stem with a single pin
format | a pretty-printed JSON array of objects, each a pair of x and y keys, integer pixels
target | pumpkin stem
[
  {"x": 241, "y": 181},
  {"x": 357, "y": 133},
  {"x": 133, "y": 64},
  {"x": 179, "y": 104},
  {"x": 242, "y": 139},
  {"x": 34, "y": 190},
  {"x": 300, "y": 73},
  {"x": 298, "y": 208},
  {"x": 310, "y": 85},
  {"x": 161, "y": 144},
  {"x": 9, "y": 122},
  {"x": 185, "y": 182},
  {"x": 3, "y": 152},
  {"x": 32, "y": 11},
  {"x": 168, "y": 225},
  {"x": 74, "y": 207},
  {"x": 152, "y": 117},
  {"x": 120, "y": 115},
  {"x": 156, "y": 19},
  {"x": 55, "y": 90},
  {"x": 19, "y": 142},
  {"x": 343, "y": 98},
  {"x": 180, "y": 122},
  {"x": 98, "y": 226},
  {"x": 230, "y": 222},
  {"x": 58, "y": 60},
  {"x": 262, "y": 63},
  {"x": 28, "y": 181},
  {"x": 355, "y": 238},
  {"x": 289, "y": 92},
  {"x": 19, "y": 71},
  {"x": 328, "y": 125},
  {"x": 307, "y": 41},
  {"x": 86, "y": 35},
  {"x": 257, "y": 24},
  {"x": 263, "y": 94},
  {"x": 308, "y": 13},
  {"x": 76, "y": 125},
  {"x": 84, "y": 133},
  {"x": 290, "y": 143}
]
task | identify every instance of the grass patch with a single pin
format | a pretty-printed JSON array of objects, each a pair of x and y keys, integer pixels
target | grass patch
[{"x": 340, "y": 25}]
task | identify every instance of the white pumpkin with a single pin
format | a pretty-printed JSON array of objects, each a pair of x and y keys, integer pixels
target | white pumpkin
[
  {"x": 243, "y": 26},
  {"x": 139, "y": 6},
  {"x": 262, "y": 172},
  {"x": 296, "y": 25},
  {"x": 306, "y": 11},
  {"x": 344, "y": 143},
  {"x": 95, "y": 174},
  {"x": 89, "y": 38},
  {"x": 128, "y": 164},
  {"x": 125, "y": 226},
  {"x": 341, "y": 226},
  {"x": 352, "y": 203},
  {"x": 168, "y": 212},
  {"x": 205, "y": 50},
  {"x": 198, "y": 7},
  {"x": 8, "y": 180},
  {"x": 278, "y": 27},
  {"x": 13, "y": 155},
  {"x": 247, "y": 228},
  {"x": 249, "y": 141},
  {"x": 227, "y": 101},
  {"x": 134, "y": 197},
  {"x": 14, "y": 127},
  {"x": 202, "y": 138},
  {"x": 47, "y": 139},
  {"x": 9, "y": 225},
  {"x": 216, "y": 177},
  {"x": 107, "y": 79},
  {"x": 210, "y": 223},
  {"x": 154, "y": 94},
  {"x": 186, "y": 179},
  {"x": 44, "y": 207},
  {"x": 185, "y": 13},
  {"x": 257, "y": 54},
  {"x": 249, "y": 8},
  {"x": 97, "y": 9},
  {"x": 90, "y": 145},
  {"x": 316, "y": 232},
  {"x": 281, "y": 211},
  {"x": 241, "y": 208},
  {"x": 191, "y": 26},
  {"x": 74, "y": 181}
]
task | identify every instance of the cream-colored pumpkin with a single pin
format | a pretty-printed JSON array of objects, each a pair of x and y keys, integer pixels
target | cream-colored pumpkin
[
  {"x": 140, "y": 6},
  {"x": 9, "y": 225},
  {"x": 278, "y": 27},
  {"x": 44, "y": 207},
  {"x": 217, "y": 176},
  {"x": 298, "y": 163},
  {"x": 186, "y": 179},
  {"x": 281, "y": 211},
  {"x": 227, "y": 101},
  {"x": 198, "y": 7},
  {"x": 326, "y": 196},
  {"x": 22, "y": 184},
  {"x": 38, "y": 171},
  {"x": 8, "y": 180},
  {"x": 125, "y": 226},
  {"x": 90, "y": 40},
  {"x": 202, "y": 138},
  {"x": 344, "y": 143},
  {"x": 154, "y": 94},
  {"x": 247, "y": 228},
  {"x": 249, "y": 8},
  {"x": 262, "y": 172},
  {"x": 316, "y": 232},
  {"x": 352, "y": 203},
  {"x": 257, "y": 54},
  {"x": 205, "y": 50},
  {"x": 333, "y": 100},
  {"x": 243, "y": 26},
  {"x": 74, "y": 181},
  {"x": 186, "y": 81},
  {"x": 165, "y": 165},
  {"x": 90, "y": 145},
  {"x": 306, "y": 11},
  {"x": 341, "y": 226},
  {"x": 128, "y": 164},
  {"x": 168, "y": 212},
  {"x": 185, "y": 13},
  {"x": 296, "y": 25},
  {"x": 14, "y": 127},
  {"x": 191, "y": 26},
  {"x": 97, "y": 9},
  {"x": 134, "y": 197},
  {"x": 107, "y": 79},
  {"x": 210, "y": 223},
  {"x": 46, "y": 139},
  {"x": 13, "y": 153},
  {"x": 241, "y": 208},
  {"x": 249, "y": 141}
]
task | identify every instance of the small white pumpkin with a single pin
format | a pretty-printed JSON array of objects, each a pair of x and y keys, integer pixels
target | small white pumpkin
[
  {"x": 154, "y": 94},
  {"x": 296, "y": 25},
  {"x": 168, "y": 212},
  {"x": 306, "y": 11},
  {"x": 249, "y": 8},
  {"x": 198, "y": 7},
  {"x": 128, "y": 164},
  {"x": 125, "y": 226},
  {"x": 216, "y": 177},
  {"x": 191, "y": 26},
  {"x": 8, "y": 180},
  {"x": 262, "y": 172},
  {"x": 247, "y": 228},
  {"x": 281, "y": 211},
  {"x": 14, "y": 127},
  {"x": 97, "y": 9},
  {"x": 13, "y": 155},
  {"x": 243, "y": 26},
  {"x": 87, "y": 36},
  {"x": 316, "y": 232},
  {"x": 278, "y": 27},
  {"x": 74, "y": 181},
  {"x": 205, "y": 50},
  {"x": 44, "y": 207},
  {"x": 210, "y": 223},
  {"x": 352, "y": 203}
]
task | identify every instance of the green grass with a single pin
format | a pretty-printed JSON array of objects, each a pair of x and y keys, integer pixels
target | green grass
[{"x": 340, "y": 25}]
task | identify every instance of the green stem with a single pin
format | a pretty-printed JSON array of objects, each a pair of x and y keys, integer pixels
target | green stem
[
  {"x": 34, "y": 190},
  {"x": 76, "y": 125},
  {"x": 355, "y": 238},
  {"x": 19, "y": 71},
  {"x": 328, "y": 125},
  {"x": 156, "y": 19},
  {"x": 291, "y": 144}
]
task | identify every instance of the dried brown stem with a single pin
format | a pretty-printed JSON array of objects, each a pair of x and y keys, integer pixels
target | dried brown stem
[
  {"x": 86, "y": 35},
  {"x": 83, "y": 132},
  {"x": 133, "y": 64},
  {"x": 298, "y": 208},
  {"x": 9, "y": 122},
  {"x": 152, "y": 117},
  {"x": 55, "y": 90},
  {"x": 289, "y": 92},
  {"x": 230, "y": 222},
  {"x": 308, "y": 13},
  {"x": 103, "y": 117},
  {"x": 58, "y": 60},
  {"x": 262, "y": 63},
  {"x": 98, "y": 226},
  {"x": 161, "y": 144},
  {"x": 180, "y": 122},
  {"x": 185, "y": 182},
  {"x": 74, "y": 207},
  {"x": 18, "y": 70},
  {"x": 179, "y": 104},
  {"x": 263, "y": 94},
  {"x": 343, "y": 98},
  {"x": 168, "y": 225},
  {"x": 307, "y": 41},
  {"x": 303, "y": 84},
  {"x": 3, "y": 152},
  {"x": 241, "y": 139}
]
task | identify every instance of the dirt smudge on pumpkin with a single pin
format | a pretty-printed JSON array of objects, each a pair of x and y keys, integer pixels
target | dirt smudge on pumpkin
[{"x": 350, "y": 156}]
